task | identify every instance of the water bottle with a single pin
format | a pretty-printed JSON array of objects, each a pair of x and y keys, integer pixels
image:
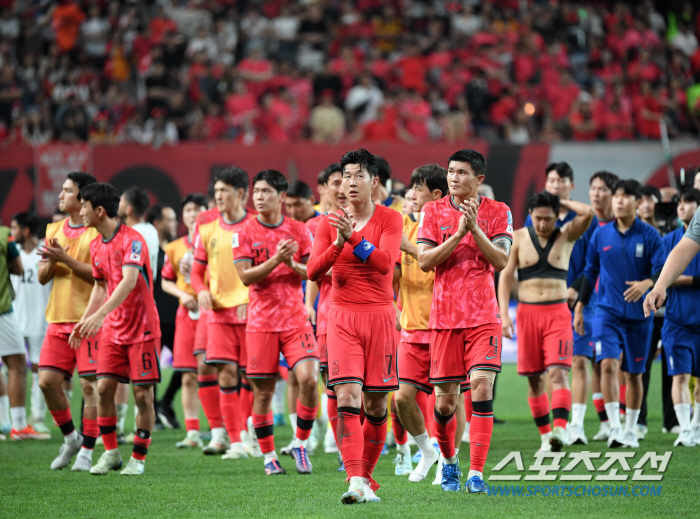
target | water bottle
[{"x": 188, "y": 259}]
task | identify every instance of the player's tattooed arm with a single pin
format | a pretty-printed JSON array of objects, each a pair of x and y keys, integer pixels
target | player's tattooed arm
[{"x": 504, "y": 244}]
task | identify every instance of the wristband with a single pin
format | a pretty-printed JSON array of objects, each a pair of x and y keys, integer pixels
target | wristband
[{"x": 363, "y": 250}]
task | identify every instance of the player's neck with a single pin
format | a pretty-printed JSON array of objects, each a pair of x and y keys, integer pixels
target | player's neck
[
  {"x": 30, "y": 244},
  {"x": 604, "y": 215},
  {"x": 75, "y": 220},
  {"x": 563, "y": 211},
  {"x": 458, "y": 199},
  {"x": 363, "y": 209},
  {"x": 651, "y": 221},
  {"x": 272, "y": 219},
  {"x": 380, "y": 195},
  {"x": 685, "y": 226},
  {"x": 130, "y": 221},
  {"x": 234, "y": 215},
  {"x": 107, "y": 227},
  {"x": 623, "y": 224}
]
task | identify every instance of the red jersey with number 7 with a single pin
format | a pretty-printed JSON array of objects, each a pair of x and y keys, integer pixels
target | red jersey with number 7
[
  {"x": 464, "y": 293},
  {"x": 136, "y": 319}
]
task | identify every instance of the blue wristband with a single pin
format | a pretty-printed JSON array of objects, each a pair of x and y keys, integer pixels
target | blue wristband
[{"x": 363, "y": 250}]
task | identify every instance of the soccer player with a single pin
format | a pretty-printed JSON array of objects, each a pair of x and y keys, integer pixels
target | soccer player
[
  {"x": 361, "y": 244},
  {"x": 270, "y": 253},
  {"x": 600, "y": 194},
  {"x": 622, "y": 257},
  {"x": 122, "y": 304},
  {"x": 541, "y": 255},
  {"x": 380, "y": 192},
  {"x": 300, "y": 202},
  {"x": 428, "y": 184},
  {"x": 559, "y": 182},
  {"x": 177, "y": 284},
  {"x": 29, "y": 305},
  {"x": 66, "y": 263},
  {"x": 464, "y": 237},
  {"x": 227, "y": 297}
]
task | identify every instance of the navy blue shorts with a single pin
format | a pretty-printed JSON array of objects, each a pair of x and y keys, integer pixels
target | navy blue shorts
[
  {"x": 612, "y": 336},
  {"x": 682, "y": 349},
  {"x": 583, "y": 344}
]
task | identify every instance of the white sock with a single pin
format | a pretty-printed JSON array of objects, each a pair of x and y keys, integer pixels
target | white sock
[
  {"x": 121, "y": 417},
  {"x": 696, "y": 415},
  {"x": 324, "y": 406},
  {"x": 456, "y": 451},
  {"x": 217, "y": 433},
  {"x": 278, "y": 398},
  {"x": 86, "y": 453},
  {"x": 466, "y": 427},
  {"x": 18, "y": 415},
  {"x": 475, "y": 473},
  {"x": 72, "y": 437},
  {"x": 683, "y": 415},
  {"x": 578, "y": 411},
  {"x": 136, "y": 415},
  {"x": 613, "y": 411},
  {"x": 451, "y": 461},
  {"x": 632, "y": 417},
  {"x": 546, "y": 436},
  {"x": 269, "y": 456},
  {"x": 4, "y": 410},
  {"x": 297, "y": 443},
  {"x": 293, "y": 422},
  {"x": 424, "y": 443},
  {"x": 403, "y": 449},
  {"x": 356, "y": 482},
  {"x": 69, "y": 394},
  {"x": 37, "y": 400}
]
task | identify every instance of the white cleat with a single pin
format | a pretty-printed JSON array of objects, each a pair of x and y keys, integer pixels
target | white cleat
[
  {"x": 287, "y": 450},
  {"x": 235, "y": 452},
  {"x": 630, "y": 440},
  {"x": 603, "y": 433},
  {"x": 685, "y": 439},
  {"x": 218, "y": 444},
  {"x": 616, "y": 438},
  {"x": 558, "y": 439},
  {"x": 370, "y": 496},
  {"x": 129, "y": 438},
  {"x": 695, "y": 434},
  {"x": 676, "y": 429},
  {"x": 404, "y": 467},
  {"x": 329, "y": 444},
  {"x": 642, "y": 431},
  {"x": 66, "y": 453},
  {"x": 3, "y": 437},
  {"x": 546, "y": 445},
  {"x": 134, "y": 468},
  {"x": 421, "y": 470},
  {"x": 40, "y": 427},
  {"x": 251, "y": 445},
  {"x": 191, "y": 441},
  {"x": 577, "y": 436},
  {"x": 355, "y": 493},
  {"x": 110, "y": 460},
  {"x": 83, "y": 463},
  {"x": 438, "y": 471}
]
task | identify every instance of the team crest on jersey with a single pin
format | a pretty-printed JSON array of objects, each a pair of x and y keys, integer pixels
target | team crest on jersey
[
  {"x": 484, "y": 225},
  {"x": 234, "y": 240},
  {"x": 639, "y": 253},
  {"x": 136, "y": 247},
  {"x": 118, "y": 258},
  {"x": 510, "y": 217}
]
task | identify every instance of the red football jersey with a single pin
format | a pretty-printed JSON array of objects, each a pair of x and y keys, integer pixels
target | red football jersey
[
  {"x": 324, "y": 284},
  {"x": 464, "y": 294},
  {"x": 136, "y": 319},
  {"x": 276, "y": 302},
  {"x": 356, "y": 283}
]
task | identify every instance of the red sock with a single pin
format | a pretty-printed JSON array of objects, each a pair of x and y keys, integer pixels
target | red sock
[
  {"x": 599, "y": 404},
  {"x": 427, "y": 409},
  {"x": 90, "y": 433},
  {"x": 445, "y": 429},
  {"x": 108, "y": 430},
  {"x": 64, "y": 421},
  {"x": 539, "y": 407},
  {"x": 192, "y": 424},
  {"x": 623, "y": 398},
  {"x": 209, "y": 396},
  {"x": 374, "y": 432},
  {"x": 398, "y": 428},
  {"x": 333, "y": 411},
  {"x": 480, "y": 434},
  {"x": 351, "y": 441},
  {"x": 264, "y": 430},
  {"x": 305, "y": 420},
  {"x": 468, "y": 408},
  {"x": 142, "y": 440},
  {"x": 228, "y": 401},
  {"x": 561, "y": 406},
  {"x": 246, "y": 402}
]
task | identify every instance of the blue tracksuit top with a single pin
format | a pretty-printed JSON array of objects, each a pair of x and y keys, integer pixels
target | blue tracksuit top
[{"x": 683, "y": 303}]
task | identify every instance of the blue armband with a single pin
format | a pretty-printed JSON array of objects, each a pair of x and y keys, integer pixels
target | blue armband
[{"x": 363, "y": 250}]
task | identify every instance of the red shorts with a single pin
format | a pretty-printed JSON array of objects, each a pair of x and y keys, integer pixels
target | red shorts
[
  {"x": 414, "y": 365},
  {"x": 226, "y": 344},
  {"x": 545, "y": 338},
  {"x": 264, "y": 350},
  {"x": 322, "y": 351},
  {"x": 136, "y": 363},
  {"x": 200, "y": 339},
  {"x": 185, "y": 333},
  {"x": 57, "y": 355},
  {"x": 454, "y": 354},
  {"x": 362, "y": 349}
]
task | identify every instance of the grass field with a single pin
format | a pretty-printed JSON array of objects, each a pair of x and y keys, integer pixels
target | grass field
[{"x": 187, "y": 484}]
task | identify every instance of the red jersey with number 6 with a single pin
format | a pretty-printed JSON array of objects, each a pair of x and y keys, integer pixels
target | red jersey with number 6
[
  {"x": 464, "y": 294},
  {"x": 136, "y": 319},
  {"x": 276, "y": 302}
]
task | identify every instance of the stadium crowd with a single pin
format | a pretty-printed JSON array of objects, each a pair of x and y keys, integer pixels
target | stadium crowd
[{"x": 330, "y": 71}]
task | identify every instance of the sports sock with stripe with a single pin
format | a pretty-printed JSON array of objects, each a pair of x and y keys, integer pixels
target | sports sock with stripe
[{"x": 480, "y": 434}]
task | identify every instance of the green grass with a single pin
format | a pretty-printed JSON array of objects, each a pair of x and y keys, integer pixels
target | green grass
[{"x": 188, "y": 484}]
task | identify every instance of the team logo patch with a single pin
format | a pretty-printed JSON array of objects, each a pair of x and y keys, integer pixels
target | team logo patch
[
  {"x": 509, "y": 229},
  {"x": 118, "y": 258},
  {"x": 484, "y": 225},
  {"x": 135, "y": 257},
  {"x": 254, "y": 362},
  {"x": 510, "y": 217},
  {"x": 367, "y": 246},
  {"x": 334, "y": 367},
  {"x": 136, "y": 247},
  {"x": 435, "y": 367},
  {"x": 234, "y": 240},
  {"x": 639, "y": 252}
]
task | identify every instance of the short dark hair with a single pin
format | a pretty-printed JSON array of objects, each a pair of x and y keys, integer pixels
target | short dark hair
[
  {"x": 383, "y": 170},
  {"x": 562, "y": 168},
  {"x": 28, "y": 221},
  {"x": 155, "y": 213},
  {"x": 195, "y": 198},
  {"x": 472, "y": 157},
  {"x": 325, "y": 175},
  {"x": 138, "y": 200},
  {"x": 652, "y": 191},
  {"x": 233, "y": 176},
  {"x": 689, "y": 194},
  {"x": 273, "y": 177},
  {"x": 433, "y": 176},
  {"x": 544, "y": 199},
  {"x": 211, "y": 192},
  {"x": 101, "y": 195},
  {"x": 299, "y": 189},
  {"x": 81, "y": 179},
  {"x": 362, "y": 157},
  {"x": 629, "y": 187},
  {"x": 610, "y": 179}
]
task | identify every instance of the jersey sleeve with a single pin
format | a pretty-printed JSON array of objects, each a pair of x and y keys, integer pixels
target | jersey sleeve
[
  {"x": 427, "y": 225},
  {"x": 242, "y": 244},
  {"x": 382, "y": 256},
  {"x": 135, "y": 253},
  {"x": 12, "y": 251},
  {"x": 593, "y": 260},
  {"x": 693, "y": 231},
  {"x": 528, "y": 221},
  {"x": 502, "y": 224},
  {"x": 658, "y": 257},
  {"x": 323, "y": 252},
  {"x": 200, "y": 252},
  {"x": 168, "y": 272},
  {"x": 96, "y": 273}
]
